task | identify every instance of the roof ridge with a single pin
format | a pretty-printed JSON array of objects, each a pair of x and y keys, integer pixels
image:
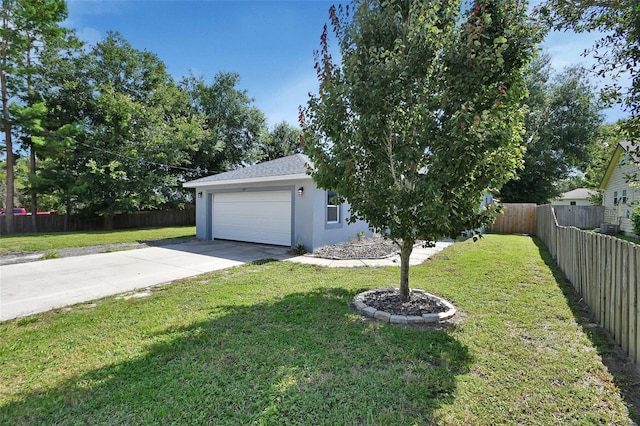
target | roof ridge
[{"x": 294, "y": 164}]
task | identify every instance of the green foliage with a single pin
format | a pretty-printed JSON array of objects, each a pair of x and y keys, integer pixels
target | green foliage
[
  {"x": 562, "y": 121},
  {"x": 136, "y": 135},
  {"x": 27, "y": 29},
  {"x": 635, "y": 220},
  {"x": 299, "y": 249},
  {"x": 423, "y": 115},
  {"x": 234, "y": 126},
  {"x": 51, "y": 254},
  {"x": 283, "y": 140},
  {"x": 617, "y": 52},
  {"x": 571, "y": 183},
  {"x": 600, "y": 152}
]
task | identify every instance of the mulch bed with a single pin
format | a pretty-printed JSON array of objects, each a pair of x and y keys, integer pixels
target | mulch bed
[{"x": 389, "y": 301}]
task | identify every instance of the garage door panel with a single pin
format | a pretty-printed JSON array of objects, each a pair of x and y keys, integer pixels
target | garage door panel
[{"x": 262, "y": 217}]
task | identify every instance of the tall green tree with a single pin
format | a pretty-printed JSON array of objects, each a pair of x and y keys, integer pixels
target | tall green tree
[
  {"x": 27, "y": 28},
  {"x": 422, "y": 115},
  {"x": 68, "y": 95},
  {"x": 617, "y": 52},
  {"x": 129, "y": 132},
  {"x": 281, "y": 141},
  {"x": 234, "y": 125},
  {"x": 563, "y": 119}
]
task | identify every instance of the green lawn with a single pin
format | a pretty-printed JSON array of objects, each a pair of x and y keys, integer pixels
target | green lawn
[
  {"x": 634, "y": 240},
  {"x": 276, "y": 343},
  {"x": 59, "y": 240}
]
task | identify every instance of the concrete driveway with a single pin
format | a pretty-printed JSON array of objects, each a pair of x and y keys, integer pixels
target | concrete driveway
[{"x": 29, "y": 288}]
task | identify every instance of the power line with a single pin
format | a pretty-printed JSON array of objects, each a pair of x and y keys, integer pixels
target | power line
[{"x": 142, "y": 161}]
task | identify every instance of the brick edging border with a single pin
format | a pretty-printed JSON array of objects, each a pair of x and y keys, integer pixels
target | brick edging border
[{"x": 383, "y": 316}]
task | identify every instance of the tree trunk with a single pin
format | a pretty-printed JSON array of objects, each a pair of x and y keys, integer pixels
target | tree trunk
[
  {"x": 34, "y": 195},
  {"x": 405, "y": 253},
  {"x": 9, "y": 152},
  {"x": 67, "y": 213}
]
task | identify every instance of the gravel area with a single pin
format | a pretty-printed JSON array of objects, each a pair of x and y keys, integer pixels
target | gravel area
[{"x": 365, "y": 248}]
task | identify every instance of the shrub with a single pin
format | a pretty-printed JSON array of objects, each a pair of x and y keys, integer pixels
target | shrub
[{"x": 635, "y": 220}]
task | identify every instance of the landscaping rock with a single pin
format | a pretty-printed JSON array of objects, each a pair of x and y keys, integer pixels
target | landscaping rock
[
  {"x": 398, "y": 319},
  {"x": 382, "y": 316},
  {"x": 369, "y": 311}
]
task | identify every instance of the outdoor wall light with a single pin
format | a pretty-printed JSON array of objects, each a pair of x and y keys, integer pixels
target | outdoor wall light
[
  {"x": 200, "y": 194},
  {"x": 300, "y": 191}
]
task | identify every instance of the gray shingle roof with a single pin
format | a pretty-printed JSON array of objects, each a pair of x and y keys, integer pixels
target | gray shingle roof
[
  {"x": 579, "y": 193},
  {"x": 291, "y": 165}
]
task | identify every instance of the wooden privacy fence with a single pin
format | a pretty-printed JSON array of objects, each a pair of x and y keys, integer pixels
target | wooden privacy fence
[
  {"x": 583, "y": 217},
  {"x": 148, "y": 219},
  {"x": 604, "y": 271},
  {"x": 517, "y": 218}
]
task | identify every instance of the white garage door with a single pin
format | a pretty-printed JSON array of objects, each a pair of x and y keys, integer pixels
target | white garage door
[{"x": 259, "y": 217}]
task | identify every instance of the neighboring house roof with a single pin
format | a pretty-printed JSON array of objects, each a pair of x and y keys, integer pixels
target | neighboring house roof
[
  {"x": 291, "y": 167},
  {"x": 577, "y": 194},
  {"x": 624, "y": 147}
]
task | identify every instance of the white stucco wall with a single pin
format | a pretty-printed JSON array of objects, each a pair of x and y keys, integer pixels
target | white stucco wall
[{"x": 620, "y": 214}]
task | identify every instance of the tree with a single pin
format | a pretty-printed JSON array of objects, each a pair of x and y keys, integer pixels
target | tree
[
  {"x": 28, "y": 27},
  {"x": 423, "y": 115},
  {"x": 281, "y": 141},
  {"x": 617, "y": 52},
  {"x": 563, "y": 119},
  {"x": 600, "y": 152},
  {"x": 128, "y": 132},
  {"x": 234, "y": 126}
]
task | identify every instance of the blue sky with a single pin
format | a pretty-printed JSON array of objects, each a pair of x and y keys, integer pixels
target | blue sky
[{"x": 268, "y": 43}]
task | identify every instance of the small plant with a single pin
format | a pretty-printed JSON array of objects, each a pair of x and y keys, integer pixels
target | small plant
[
  {"x": 360, "y": 235},
  {"x": 299, "y": 249},
  {"x": 27, "y": 321},
  {"x": 51, "y": 254},
  {"x": 635, "y": 220}
]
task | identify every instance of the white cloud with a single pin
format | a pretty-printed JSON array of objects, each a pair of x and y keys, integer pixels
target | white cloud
[{"x": 89, "y": 35}]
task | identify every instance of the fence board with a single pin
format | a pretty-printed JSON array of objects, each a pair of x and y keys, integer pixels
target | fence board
[
  {"x": 633, "y": 307},
  {"x": 624, "y": 300},
  {"x": 583, "y": 217},
  {"x": 517, "y": 218},
  {"x": 604, "y": 271},
  {"x": 636, "y": 284},
  {"x": 56, "y": 223}
]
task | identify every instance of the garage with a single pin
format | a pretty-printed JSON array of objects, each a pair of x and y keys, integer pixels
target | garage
[{"x": 253, "y": 216}]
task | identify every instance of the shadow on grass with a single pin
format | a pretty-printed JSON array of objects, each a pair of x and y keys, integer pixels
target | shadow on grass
[
  {"x": 625, "y": 374},
  {"x": 302, "y": 359}
]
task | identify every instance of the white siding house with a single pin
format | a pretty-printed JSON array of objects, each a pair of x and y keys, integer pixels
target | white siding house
[
  {"x": 577, "y": 197},
  {"x": 275, "y": 202},
  {"x": 618, "y": 196}
]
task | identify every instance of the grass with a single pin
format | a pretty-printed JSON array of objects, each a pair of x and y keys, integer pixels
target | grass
[
  {"x": 629, "y": 238},
  {"x": 60, "y": 240},
  {"x": 51, "y": 254},
  {"x": 276, "y": 343}
]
